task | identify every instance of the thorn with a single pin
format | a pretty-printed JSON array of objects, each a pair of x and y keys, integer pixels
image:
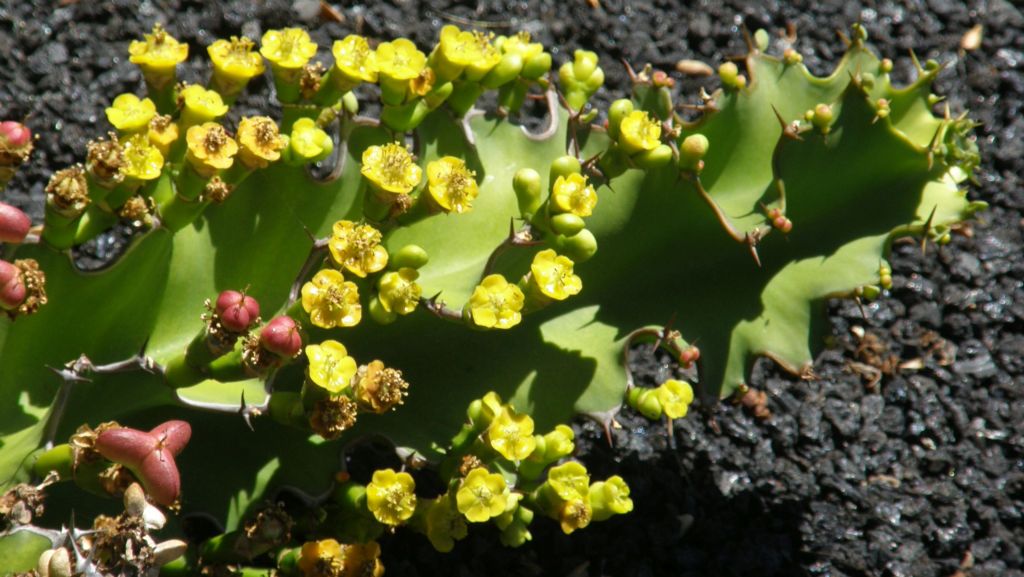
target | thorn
[
  {"x": 751, "y": 47},
  {"x": 927, "y": 229},
  {"x": 787, "y": 129},
  {"x": 846, "y": 39},
  {"x": 751, "y": 241},
  {"x": 860, "y": 305},
  {"x": 607, "y": 433},
  {"x": 917, "y": 63},
  {"x": 633, "y": 78},
  {"x": 246, "y": 413}
]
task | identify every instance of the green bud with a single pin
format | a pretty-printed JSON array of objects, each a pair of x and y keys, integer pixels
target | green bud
[
  {"x": 645, "y": 401},
  {"x": 584, "y": 64},
  {"x": 350, "y": 103},
  {"x": 59, "y": 459},
  {"x": 409, "y": 256},
  {"x": 405, "y": 117},
  {"x": 663, "y": 105},
  {"x": 526, "y": 184},
  {"x": 536, "y": 66},
  {"x": 867, "y": 80},
  {"x": 656, "y": 158},
  {"x": 932, "y": 65},
  {"x": 557, "y": 444},
  {"x": 860, "y": 33},
  {"x": 567, "y": 224},
  {"x": 731, "y": 77},
  {"x": 619, "y": 110},
  {"x": 692, "y": 152},
  {"x": 580, "y": 78},
  {"x": 580, "y": 247},
  {"x": 761, "y": 39},
  {"x": 438, "y": 95},
  {"x": 870, "y": 292},
  {"x": 791, "y": 57},
  {"x": 822, "y": 117},
  {"x": 934, "y": 99},
  {"x": 564, "y": 166},
  {"x": 885, "y": 66},
  {"x": 506, "y": 71},
  {"x": 379, "y": 314}
]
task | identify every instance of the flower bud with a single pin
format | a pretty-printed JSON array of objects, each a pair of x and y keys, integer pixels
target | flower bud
[
  {"x": 692, "y": 152},
  {"x": 791, "y": 57},
  {"x": 526, "y": 184},
  {"x": 821, "y": 117},
  {"x": 660, "y": 156},
  {"x": 645, "y": 400},
  {"x": 281, "y": 337},
  {"x": 580, "y": 247},
  {"x": 567, "y": 224},
  {"x": 731, "y": 77},
  {"x": 14, "y": 224},
  {"x": 409, "y": 256},
  {"x": 565, "y": 166},
  {"x": 14, "y": 135},
  {"x": 12, "y": 287},
  {"x": 617, "y": 112},
  {"x": 237, "y": 311}
]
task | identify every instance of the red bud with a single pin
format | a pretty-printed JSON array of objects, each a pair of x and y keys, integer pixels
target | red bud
[
  {"x": 128, "y": 447},
  {"x": 281, "y": 337},
  {"x": 689, "y": 356},
  {"x": 12, "y": 286},
  {"x": 782, "y": 223},
  {"x": 173, "y": 435},
  {"x": 14, "y": 224},
  {"x": 15, "y": 134},
  {"x": 159, "y": 474},
  {"x": 237, "y": 311}
]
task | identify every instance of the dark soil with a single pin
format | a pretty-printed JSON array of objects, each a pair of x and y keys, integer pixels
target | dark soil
[{"x": 919, "y": 474}]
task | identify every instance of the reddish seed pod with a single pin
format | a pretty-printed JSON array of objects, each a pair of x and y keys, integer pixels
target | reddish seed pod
[
  {"x": 774, "y": 213},
  {"x": 15, "y": 134},
  {"x": 14, "y": 224},
  {"x": 173, "y": 435},
  {"x": 237, "y": 311},
  {"x": 782, "y": 223},
  {"x": 281, "y": 337},
  {"x": 149, "y": 455},
  {"x": 689, "y": 356},
  {"x": 12, "y": 286}
]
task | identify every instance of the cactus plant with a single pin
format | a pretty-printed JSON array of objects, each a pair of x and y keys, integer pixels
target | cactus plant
[{"x": 465, "y": 253}]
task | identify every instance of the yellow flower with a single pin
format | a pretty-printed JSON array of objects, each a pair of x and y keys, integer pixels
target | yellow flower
[
  {"x": 378, "y": 388},
  {"x": 444, "y": 524},
  {"x": 129, "y": 114},
  {"x": 158, "y": 55},
  {"x": 400, "y": 59},
  {"x": 459, "y": 49},
  {"x": 552, "y": 274},
  {"x": 482, "y": 495},
  {"x": 290, "y": 48},
  {"x": 390, "y": 496},
  {"x": 391, "y": 168},
  {"x": 354, "y": 59},
  {"x": 259, "y": 142},
  {"x": 675, "y": 398},
  {"x": 558, "y": 443},
  {"x": 201, "y": 105},
  {"x": 163, "y": 132},
  {"x": 363, "y": 560},
  {"x": 330, "y": 366},
  {"x": 520, "y": 44},
  {"x": 331, "y": 301},
  {"x": 496, "y": 304},
  {"x": 451, "y": 184},
  {"x": 357, "y": 248},
  {"x": 308, "y": 142},
  {"x": 574, "y": 195},
  {"x": 142, "y": 161},
  {"x": 610, "y": 497},
  {"x": 234, "y": 61},
  {"x": 399, "y": 292},
  {"x": 638, "y": 131},
  {"x": 321, "y": 559},
  {"x": 512, "y": 435},
  {"x": 570, "y": 480},
  {"x": 210, "y": 148},
  {"x": 575, "y": 514}
]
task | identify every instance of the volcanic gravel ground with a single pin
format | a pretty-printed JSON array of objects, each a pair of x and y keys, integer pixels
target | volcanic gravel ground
[{"x": 920, "y": 473}]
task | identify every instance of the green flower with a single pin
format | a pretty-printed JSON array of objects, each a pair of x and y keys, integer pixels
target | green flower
[
  {"x": 482, "y": 495},
  {"x": 610, "y": 497},
  {"x": 390, "y": 496},
  {"x": 330, "y": 367}
]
